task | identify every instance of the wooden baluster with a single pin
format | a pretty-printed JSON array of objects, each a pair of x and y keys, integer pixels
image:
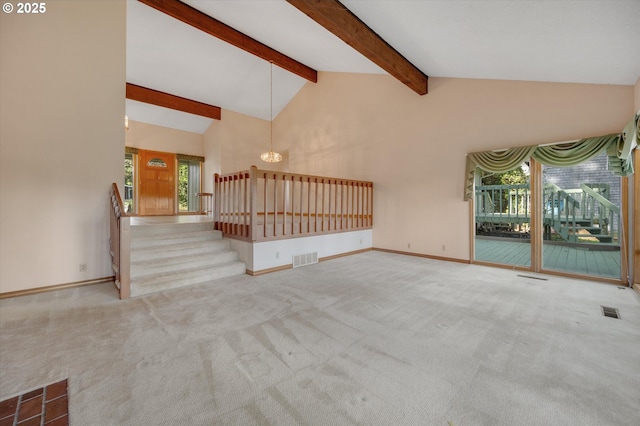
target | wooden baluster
[
  {"x": 315, "y": 206},
  {"x": 245, "y": 232},
  {"x": 284, "y": 205},
  {"x": 308, "y": 205},
  {"x": 341, "y": 204},
  {"x": 265, "y": 209},
  {"x": 275, "y": 204},
  {"x": 322, "y": 206},
  {"x": 293, "y": 206},
  {"x": 253, "y": 203},
  {"x": 353, "y": 204},
  {"x": 234, "y": 205},
  {"x": 223, "y": 207},
  {"x": 216, "y": 200}
]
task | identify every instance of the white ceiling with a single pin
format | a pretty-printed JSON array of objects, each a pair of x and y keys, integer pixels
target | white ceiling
[{"x": 580, "y": 41}]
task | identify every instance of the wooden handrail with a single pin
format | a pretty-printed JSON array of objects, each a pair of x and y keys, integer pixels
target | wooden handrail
[
  {"x": 260, "y": 205},
  {"x": 118, "y": 200},
  {"x": 599, "y": 198},
  {"x": 119, "y": 242}
]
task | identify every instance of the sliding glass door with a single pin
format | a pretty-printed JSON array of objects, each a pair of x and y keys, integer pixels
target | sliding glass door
[
  {"x": 581, "y": 219},
  {"x": 503, "y": 217},
  {"x": 556, "y": 219}
]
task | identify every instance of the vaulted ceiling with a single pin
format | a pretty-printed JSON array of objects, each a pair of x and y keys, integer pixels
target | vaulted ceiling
[{"x": 538, "y": 40}]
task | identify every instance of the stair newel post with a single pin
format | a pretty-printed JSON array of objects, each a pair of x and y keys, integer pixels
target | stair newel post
[
  {"x": 253, "y": 203},
  {"x": 216, "y": 200},
  {"x": 125, "y": 257}
]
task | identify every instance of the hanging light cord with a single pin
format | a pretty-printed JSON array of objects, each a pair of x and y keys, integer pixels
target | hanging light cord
[{"x": 271, "y": 110}]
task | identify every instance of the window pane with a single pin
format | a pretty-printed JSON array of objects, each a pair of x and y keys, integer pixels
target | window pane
[
  {"x": 582, "y": 219},
  {"x": 503, "y": 218},
  {"x": 188, "y": 185},
  {"x": 128, "y": 183}
]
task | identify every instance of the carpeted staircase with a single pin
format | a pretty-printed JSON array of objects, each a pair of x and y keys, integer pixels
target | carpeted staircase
[{"x": 166, "y": 256}]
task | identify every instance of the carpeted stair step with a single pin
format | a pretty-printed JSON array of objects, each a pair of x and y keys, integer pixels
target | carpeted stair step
[
  {"x": 168, "y": 250},
  {"x": 165, "y": 281},
  {"x": 166, "y": 229},
  {"x": 155, "y": 240},
  {"x": 171, "y": 255},
  {"x": 141, "y": 268}
]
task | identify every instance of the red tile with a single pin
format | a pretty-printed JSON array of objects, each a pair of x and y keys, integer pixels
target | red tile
[
  {"x": 57, "y": 389},
  {"x": 56, "y": 408},
  {"x": 34, "y": 421},
  {"x": 8, "y": 407},
  {"x": 30, "y": 408},
  {"x": 27, "y": 396},
  {"x": 7, "y": 421},
  {"x": 60, "y": 421}
]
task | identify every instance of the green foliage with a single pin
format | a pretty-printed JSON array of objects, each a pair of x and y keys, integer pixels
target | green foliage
[
  {"x": 512, "y": 177},
  {"x": 128, "y": 182},
  {"x": 183, "y": 186}
]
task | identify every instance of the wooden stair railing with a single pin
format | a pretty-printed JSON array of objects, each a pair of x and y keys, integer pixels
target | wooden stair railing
[
  {"x": 262, "y": 205},
  {"x": 601, "y": 208},
  {"x": 120, "y": 243}
]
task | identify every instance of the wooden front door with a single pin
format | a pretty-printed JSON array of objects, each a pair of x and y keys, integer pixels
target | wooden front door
[{"x": 157, "y": 183}]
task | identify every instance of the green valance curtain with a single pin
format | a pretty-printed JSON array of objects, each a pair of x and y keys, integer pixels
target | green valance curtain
[
  {"x": 618, "y": 147},
  {"x": 573, "y": 153}
]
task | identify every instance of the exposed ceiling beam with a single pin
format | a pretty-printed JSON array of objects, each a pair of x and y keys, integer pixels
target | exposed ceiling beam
[
  {"x": 212, "y": 26},
  {"x": 339, "y": 20},
  {"x": 155, "y": 97}
]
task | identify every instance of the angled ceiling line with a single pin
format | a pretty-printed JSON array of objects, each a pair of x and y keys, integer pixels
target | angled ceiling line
[
  {"x": 335, "y": 17},
  {"x": 166, "y": 100},
  {"x": 191, "y": 16}
]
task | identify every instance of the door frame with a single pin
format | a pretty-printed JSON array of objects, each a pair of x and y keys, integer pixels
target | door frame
[{"x": 537, "y": 266}]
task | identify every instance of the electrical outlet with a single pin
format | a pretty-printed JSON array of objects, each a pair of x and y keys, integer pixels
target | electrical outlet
[
  {"x": 83, "y": 267},
  {"x": 444, "y": 247},
  {"x": 409, "y": 245},
  {"x": 277, "y": 255}
]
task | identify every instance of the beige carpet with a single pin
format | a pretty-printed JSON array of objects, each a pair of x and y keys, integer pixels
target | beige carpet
[{"x": 371, "y": 339}]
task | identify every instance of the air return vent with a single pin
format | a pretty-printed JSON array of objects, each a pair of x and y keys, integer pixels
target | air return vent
[
  {"x": 305, "y": 259},
  {"x": 610, "y": 312}
]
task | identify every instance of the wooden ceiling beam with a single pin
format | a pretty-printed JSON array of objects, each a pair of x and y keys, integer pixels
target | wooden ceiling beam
[
  {"x": 212, "y": 26},
  {"x": 339, "y": 20},
  {"x": 155, "y": 97}
]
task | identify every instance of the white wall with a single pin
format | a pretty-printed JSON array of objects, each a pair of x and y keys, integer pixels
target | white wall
[
  {"x": 233, "y": 144},
  {"x": 272, "y": 254},
  {"x": 157, "y": 138},
  {"x": 62, "y": 106},
  {"x": 371, "y": 127}
]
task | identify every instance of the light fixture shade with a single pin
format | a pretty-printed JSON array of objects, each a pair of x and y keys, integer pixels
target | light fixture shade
[
  {"x": 271, "y": 157},
  {"x": 126, "y": 122}
]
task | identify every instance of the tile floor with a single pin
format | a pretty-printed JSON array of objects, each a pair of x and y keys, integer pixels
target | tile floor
[{"x": 48, "y": 405}]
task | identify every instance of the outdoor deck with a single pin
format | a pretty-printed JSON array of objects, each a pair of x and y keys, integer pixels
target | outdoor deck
[{"x": 556, "y": 257}]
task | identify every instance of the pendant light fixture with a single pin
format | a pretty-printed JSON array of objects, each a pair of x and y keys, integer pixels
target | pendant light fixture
[{"x": 271, "y": 156}]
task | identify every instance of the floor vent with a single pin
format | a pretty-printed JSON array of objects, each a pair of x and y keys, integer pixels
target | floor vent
[
  {"x": 533, "y": 278},
  {"x": 305, "y": 259},
  {"x": 610, "y": 312}
]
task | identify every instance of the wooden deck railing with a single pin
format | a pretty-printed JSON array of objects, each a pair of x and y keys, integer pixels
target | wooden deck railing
[
  {"x": 261, "y": 205},
  {"x": 504, "y": 207},
  {"x": 120, "y": 243}
]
